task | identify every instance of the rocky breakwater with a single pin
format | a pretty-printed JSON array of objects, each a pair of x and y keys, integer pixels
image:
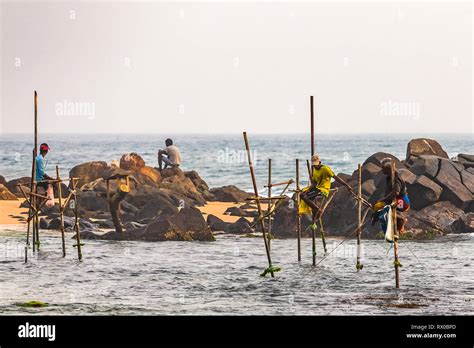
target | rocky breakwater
[
  {"x": 159, "y": 206},
  {"x": 440, "y": 189}
]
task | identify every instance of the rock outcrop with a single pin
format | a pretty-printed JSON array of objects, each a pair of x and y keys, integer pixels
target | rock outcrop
[
  {"x": 440, "y": 190},
  {"x": 229, "y": 193},
  {"x": 5, "y": 193}
]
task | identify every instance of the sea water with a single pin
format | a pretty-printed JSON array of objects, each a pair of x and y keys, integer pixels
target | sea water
[{"x": 222, "y": 277}]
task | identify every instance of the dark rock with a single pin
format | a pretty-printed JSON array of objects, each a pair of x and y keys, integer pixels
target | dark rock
[
  {"x": 43, "y": 224},
  {"x": 376, "y": 159},
  {"x": 368, "y": 188},
  {"x": 92, "y": 201},
  {"x": 407, "y": 176},
  {"x": 425, "y": 165},
  {"x": 423, "y": 146},
  {"x": 229, "y": 193},
  {"x": 90, "y": 171},
  {"x": 466, "y": 160},
  {"x": 55, "y": 224},
  {"x": 50, "y": 210},
  {"x": 159, "y": 203},
  {"x": 25, "y": 204},
  {"x": 453, "y": 189},
  {"x": 3, "y": 181},
  {"x": 465, "y": 224},
  {"x": 237, "y": 211},
  {"x": 467, "y": 178},
  {"x": 105, "y": 224},
  {"x": 182, "y": 187},
  {"x": 369, "y": 171},
  {"x": 13, "y": 188},
  {"x": 216, "y": 224},
  {"x": 438, "y": 216},
  {"x": 285, "y": 219},
  {"x": 248, "y": 206},
  {"x": 5, "y": 193},
  {"x": 423, "y": 192},
  {"x": 131, "y": 161},
  {"x": 199, "y": 183},
  {"x": 241, "y": 226}
]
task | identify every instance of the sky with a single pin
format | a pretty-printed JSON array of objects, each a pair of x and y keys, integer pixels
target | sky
[{"x": 226, "y": 67}]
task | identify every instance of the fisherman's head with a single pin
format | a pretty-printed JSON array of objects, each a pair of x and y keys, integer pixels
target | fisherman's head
[
  {"x": 316, "y": 161},
  {"x": 168, "y": 142},
  {"x": 386, "y": 166},
  {"x": 44, "y": 148}
]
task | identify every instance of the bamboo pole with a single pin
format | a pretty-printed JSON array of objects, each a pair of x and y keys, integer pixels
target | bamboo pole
[
  {"x": 313, "y": 239},
  {"x": 312, "y": 124},
  {"x": 259, "y": 207},
  {"x": 395, "y": 238},
  {"x": 61, "y": 211},
  {"x": 76, "y": 222},
  {"x": 36, "y": 123},
  {"x": 321, "y": 231},
  {"x": 269, "y": 219},
  {"x": 33, "y": 204},
  {"x": 298, "y": 217},
  {"x": 33, "y": 174},
  {"x": 359, "y": 216},
  {"x": 309, "y": 171}
]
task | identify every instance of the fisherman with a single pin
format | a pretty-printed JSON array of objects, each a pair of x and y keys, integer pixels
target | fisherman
[
  {"x": 320, "y": 185},
  {"x": 41, "y": 167},
  {"x": 398, "y": 191},
  {"x": 170, "y": 155}
]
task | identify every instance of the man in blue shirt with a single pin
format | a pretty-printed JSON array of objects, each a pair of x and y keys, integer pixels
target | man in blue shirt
[{"x": 40, "y": 167}]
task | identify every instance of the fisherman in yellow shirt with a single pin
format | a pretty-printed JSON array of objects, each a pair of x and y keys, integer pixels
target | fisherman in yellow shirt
[{"x": 321, "y": 176}]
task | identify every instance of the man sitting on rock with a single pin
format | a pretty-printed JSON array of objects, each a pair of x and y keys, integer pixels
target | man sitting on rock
[
  {"x": 320, "y": 185},
  {"x": 170, "y": 155},
  {"x": 398, "y": 191}
]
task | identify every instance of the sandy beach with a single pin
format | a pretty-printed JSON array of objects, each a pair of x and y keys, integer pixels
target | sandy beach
[{"x": 11, "y": 213}]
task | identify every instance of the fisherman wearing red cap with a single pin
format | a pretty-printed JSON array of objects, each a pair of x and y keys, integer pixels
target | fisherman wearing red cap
[{"x": 40, "y": 167}]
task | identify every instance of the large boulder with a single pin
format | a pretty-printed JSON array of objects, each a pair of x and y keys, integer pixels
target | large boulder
[
  {"x": 229, "y": 193},
  {"x": 466, "y": 160},
  {"x": 182, "y": 187},
  {"x": 188, "y": 224},
  {"x": 92, "y": 201},
  {"x": 424, "y": 146},
  {"x": 5, "y": 193},
  {"x": 3, "y": 181},
  {"x": 465, "y": 224},
  {"x": 285, "y": 219},
  {"x": 216, "y": 224},
  {"x": 438, "y": 216},
  {"x": 90, "y": 171},
  {"x": 425, "y": 165},
  {"x": 12, "y": 185},
  {"x": 453, "y": 189},
  {"x": 467, "y": 178},
  {"x": 423, "y": 192},
  {"x": 199, "y": 183},
  {"x": 131, "y": 161},
  {"x": 241, "y": 226},
  {"x": 377, "y": 158},
  {"x": 159, "y": 203}
]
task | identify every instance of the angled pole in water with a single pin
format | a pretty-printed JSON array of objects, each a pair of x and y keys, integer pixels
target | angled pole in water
[
  {"x": 359, "y": 216},
  {"x": 396, "y": 262},
  {"x": 259, "y": 207},
  {"x": 298, "y": 217},
  {"x": 61, "y": 211},
  {"x": 269, "y": 221}
]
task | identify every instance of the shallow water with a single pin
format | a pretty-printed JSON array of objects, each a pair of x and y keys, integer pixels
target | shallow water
[{"x": 222, "y": 277}]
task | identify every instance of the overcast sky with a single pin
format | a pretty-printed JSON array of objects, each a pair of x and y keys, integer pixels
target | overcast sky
[{"x": 163, "y": 67}]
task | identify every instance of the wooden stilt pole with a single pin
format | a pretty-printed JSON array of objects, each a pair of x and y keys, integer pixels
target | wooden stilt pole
[
  {"x": 312, "y": 124},
  {"x": 269, "y": 219},
  {"x": 33, "y": 174},
  {"x": 395, "y": 238},
  {"x": 313, "y": 239},
  {"x": 61, "y": 211},
  {"x": 298, "y": 217},
  {"x": 359, "y": 216},
  {"x": 321, "y": 232},
  {"x": 34, "y": 188},
  {"x": 259, "y": 207},
  {"x": 76, "y": 221}
]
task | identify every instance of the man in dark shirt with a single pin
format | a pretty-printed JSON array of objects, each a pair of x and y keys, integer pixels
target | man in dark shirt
[{"x": 397, "y": 191}]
